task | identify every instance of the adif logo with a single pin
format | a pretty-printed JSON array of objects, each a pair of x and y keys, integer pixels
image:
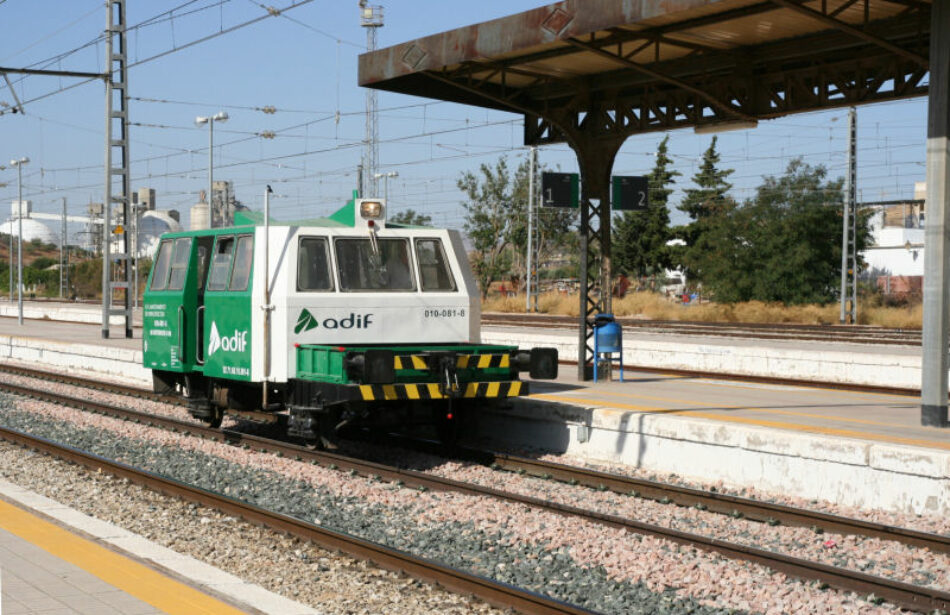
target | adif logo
[
  {"x": 307, "y": 321},
  {"x": 232, "y": 343}
]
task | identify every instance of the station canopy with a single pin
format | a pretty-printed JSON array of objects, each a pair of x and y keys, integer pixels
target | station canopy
[
  {"x": 591, "y": 73},
  {"x": 635, "y": 66}
]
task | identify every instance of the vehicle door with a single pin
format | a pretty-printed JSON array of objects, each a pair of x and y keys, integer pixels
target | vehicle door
[
  {"x": 201, "y": 261},
  {"x": 227, "y": 314},
  {"x": 168, "y": 308}
]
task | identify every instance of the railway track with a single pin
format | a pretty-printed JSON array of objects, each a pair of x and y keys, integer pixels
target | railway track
[
  {"x": 459, "y": 581},
  {"x": 859, "y": 334},
  {"x": 902, "y": 594}
]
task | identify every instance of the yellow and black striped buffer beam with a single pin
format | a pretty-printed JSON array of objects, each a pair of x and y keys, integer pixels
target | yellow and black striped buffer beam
[
  {"x": 479, "y": 361},
  {"x": 390, "y": 392}
]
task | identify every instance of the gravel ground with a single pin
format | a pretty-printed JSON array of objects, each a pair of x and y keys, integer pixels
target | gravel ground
[
  {"x": 882, "y": 558},
  {"x": 937, "y": 524},
  {"x": 599, "y": 568},
  {"x": 330, "y": 582}
]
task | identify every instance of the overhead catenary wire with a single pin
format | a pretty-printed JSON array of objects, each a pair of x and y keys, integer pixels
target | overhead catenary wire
[{"x": 177, "y": 48}]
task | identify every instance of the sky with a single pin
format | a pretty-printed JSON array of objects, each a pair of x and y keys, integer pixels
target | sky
[{"x": 303, "y": 62}]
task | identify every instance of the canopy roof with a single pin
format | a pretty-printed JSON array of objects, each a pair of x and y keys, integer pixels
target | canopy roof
[{"x": 642, "y": 65}]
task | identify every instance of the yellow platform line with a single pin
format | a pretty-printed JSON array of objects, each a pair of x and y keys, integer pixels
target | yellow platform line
[
  {"x": 831, "y": 431},
  {"x": 751, "y": 385},
  {"x": 803, "y": 388},
  {"x": 844, "y": 419},
  {"x": 133, "y": 578}
]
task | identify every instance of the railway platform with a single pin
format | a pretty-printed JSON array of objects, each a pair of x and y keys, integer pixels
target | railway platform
[
  {"x": 856, "y": 448},
  {"x": 56, "y": 560}
]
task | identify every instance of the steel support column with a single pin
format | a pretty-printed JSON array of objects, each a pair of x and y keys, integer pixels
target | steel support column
[
  {"x": 116, "y": 266},
  {"x": 595, "y": 157},
  {"x": 933, "y": 410}
]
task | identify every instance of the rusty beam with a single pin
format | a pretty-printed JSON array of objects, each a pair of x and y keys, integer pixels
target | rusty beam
[
  {"x": 852, "y": 30},
  {"x": 724, "y": 106}
]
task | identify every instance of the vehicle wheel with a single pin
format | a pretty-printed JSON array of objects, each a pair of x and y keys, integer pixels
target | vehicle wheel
[{"x": 217, "y": 416}]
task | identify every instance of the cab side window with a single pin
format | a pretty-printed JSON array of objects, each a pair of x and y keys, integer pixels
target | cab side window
[
  {"x": 241, "y": 272},
  {"x": 433, "y": 266},
  {"x": 180, "y": 263},
  {"x": 160, "y": 274},
  {"x": 313, "y": 265},
  {"x": 221, "y": 263}
]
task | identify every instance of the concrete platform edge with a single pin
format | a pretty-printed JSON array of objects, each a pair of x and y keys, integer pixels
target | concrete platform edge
[
  {"x": 850, "y": 472},
  {"x": 813, "y": 365},
  {"x": 76, "y": 358},
  {"x": 196, "y": 573}
]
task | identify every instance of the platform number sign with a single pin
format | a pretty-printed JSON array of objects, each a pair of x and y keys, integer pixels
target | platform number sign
[
  {"x": 560, "y": 190},
  {"x": 630, "y": 193}
]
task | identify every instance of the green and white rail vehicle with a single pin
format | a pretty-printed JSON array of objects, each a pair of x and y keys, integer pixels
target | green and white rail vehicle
[{"x": 330, "y": 322}]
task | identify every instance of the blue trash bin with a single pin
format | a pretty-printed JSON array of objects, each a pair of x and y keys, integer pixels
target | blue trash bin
[{"x": 608, "y": 339}]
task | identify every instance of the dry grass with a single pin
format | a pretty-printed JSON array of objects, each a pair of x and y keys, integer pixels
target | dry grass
[{"x": 654, "y": 306}]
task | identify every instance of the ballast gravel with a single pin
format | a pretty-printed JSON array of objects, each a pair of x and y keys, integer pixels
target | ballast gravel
[
  {"x": 870, "y": 555},
  {"x": 602, "y": 569}
]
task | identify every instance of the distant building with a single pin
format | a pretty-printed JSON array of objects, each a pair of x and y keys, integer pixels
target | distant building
[
  {"x": 897, "y": 237},
  {"x": 152, "y": 225},
  {"x": 32, "y": 229}
]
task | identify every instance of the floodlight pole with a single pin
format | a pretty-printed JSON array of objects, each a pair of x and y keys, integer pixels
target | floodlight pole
[
  {"x": 936, "y": 322},
  {"x": 371, "y": 18},
  {"x": 220, "y": 116}
]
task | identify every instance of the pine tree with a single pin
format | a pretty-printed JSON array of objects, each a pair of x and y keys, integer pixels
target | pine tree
[
  {"x": 703, "y": 204},
  {"x": 709, "y": 196},
  {"x": 640, "y": 237}
]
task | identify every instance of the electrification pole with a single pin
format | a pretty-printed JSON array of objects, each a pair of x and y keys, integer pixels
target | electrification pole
[
  {"x": 530, "y": 205},
  {"x": 849, "y": 256},
  {"x": 537, "y": 249},
  {"x": 10, "y": 254},
  {"x": 62, "y": 251},
  {"x": 371, "y": 18},
  {"x": 18, "y": 163},
  {"x": 117, "y": 167}
]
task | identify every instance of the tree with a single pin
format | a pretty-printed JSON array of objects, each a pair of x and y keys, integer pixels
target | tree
[
  {"x": 784, "y": 245},
  {"x": 410, "y": 217},
  {"x": 495, "y": 217},
  {"x": 708, "y": 199},
  {"x": 640, "y": 237}
]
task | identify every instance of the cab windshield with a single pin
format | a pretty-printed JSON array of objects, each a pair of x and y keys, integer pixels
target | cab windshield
[{"x": 378, "y": 265}]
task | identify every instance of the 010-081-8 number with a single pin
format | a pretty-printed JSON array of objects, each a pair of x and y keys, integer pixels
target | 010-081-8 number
[{"x": 445, "y": 313}]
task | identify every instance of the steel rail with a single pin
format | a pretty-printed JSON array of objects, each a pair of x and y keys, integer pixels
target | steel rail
[
  {"x": 458, "y": 581},
  {"x": 755, "y": 510},
  {"x": 789, "y": 332},
  {"x": 902, "y": 594},
  {"x": 859, "y": 334},
  {"x": 144, "y": 393}
]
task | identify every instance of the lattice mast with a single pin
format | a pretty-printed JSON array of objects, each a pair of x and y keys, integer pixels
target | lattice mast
[
  {"x": 371, "y": 18},
  {"x": 116, "y": 263},
  {"x": 849, "y": 226}
]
